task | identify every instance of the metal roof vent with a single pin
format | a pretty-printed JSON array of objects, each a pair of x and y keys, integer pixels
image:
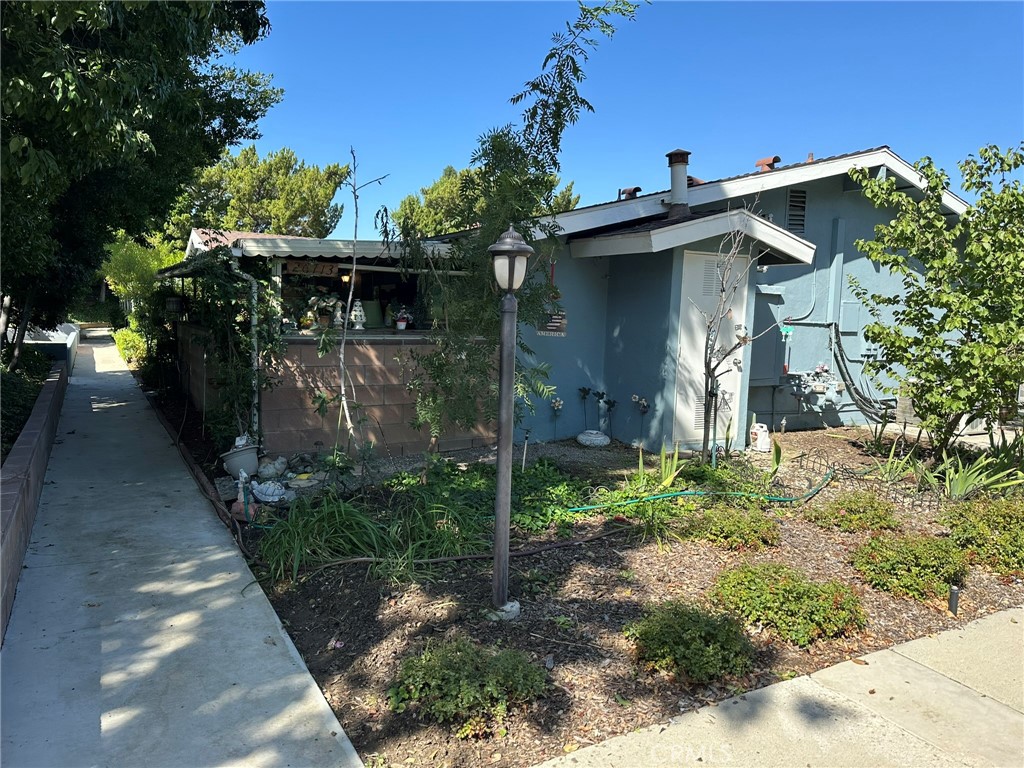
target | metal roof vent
[
  {"x": 768, "y": 163},
  {"x": 629, "y": 193}
]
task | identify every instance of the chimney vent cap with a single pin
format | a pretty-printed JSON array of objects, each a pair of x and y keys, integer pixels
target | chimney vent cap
[
  {"x": 768, "y": 163},
  {"x": 678, "y": 156}
]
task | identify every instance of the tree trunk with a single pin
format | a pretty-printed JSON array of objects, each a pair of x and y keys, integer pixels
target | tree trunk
[
  {"x": 709, "y": 386},
  {"x": 5, "y": 320},
  {"x": 19, "y": 336}
]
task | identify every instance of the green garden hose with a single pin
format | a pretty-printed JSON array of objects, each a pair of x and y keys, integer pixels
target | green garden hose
[{"x": 788, "y": 499}]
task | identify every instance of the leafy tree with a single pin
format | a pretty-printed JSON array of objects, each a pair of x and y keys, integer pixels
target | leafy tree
[
  {"x": 278, "y": 194},
  {"x": 953, "y": 340},
  {"x": 510, "y": 180},
  {"x": 130, "y": 267},
  {"x": 106, "y": 109},
  {"x": 453, "y": 203}
]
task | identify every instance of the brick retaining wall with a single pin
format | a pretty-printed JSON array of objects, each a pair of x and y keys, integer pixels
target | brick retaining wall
[{"x": 21, "y": 482}]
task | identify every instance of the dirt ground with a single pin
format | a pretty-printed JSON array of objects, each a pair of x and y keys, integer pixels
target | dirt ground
[{"x": 353, "y": 632}]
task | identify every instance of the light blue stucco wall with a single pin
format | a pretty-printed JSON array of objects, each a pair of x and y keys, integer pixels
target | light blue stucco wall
[
  {"x": 578, "y": 359},
  {"x": 623, "y": 314},
  {"x": 814, "y": 296},
  {"x": 641, "y": 343}
]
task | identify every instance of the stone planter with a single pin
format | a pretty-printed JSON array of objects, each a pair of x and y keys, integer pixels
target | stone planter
[{"x": 593, "y": 439}]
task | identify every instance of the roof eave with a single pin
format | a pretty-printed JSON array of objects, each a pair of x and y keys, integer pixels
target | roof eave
[{"x": 789, "y": 248}]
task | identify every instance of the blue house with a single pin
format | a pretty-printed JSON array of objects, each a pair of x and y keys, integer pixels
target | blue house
[{"x": 635, "y": 273}]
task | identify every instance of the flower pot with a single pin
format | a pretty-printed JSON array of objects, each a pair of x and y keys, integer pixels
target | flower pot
[
  {"x": 401, "y": 325},
  {"x": 241, "y": 458}
]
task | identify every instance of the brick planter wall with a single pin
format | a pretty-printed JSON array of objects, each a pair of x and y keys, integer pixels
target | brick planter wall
[
  {"x": 287, "y": 416},
  {"x": 21, "y": 482},
  {"x": 291, "y": 424}
]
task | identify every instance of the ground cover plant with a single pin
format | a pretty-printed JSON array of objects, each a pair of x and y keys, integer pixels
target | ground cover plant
[
  {"x": 799, "y": 609},
  {"x": 991, "y": 531},
  {"x": 911, "y": 565},
  {"x": 856, "y": 511},
  {"x": 458, "y": 682},
  {"x": 734, "y": 524},
  {"x": 691, "y": 642}
]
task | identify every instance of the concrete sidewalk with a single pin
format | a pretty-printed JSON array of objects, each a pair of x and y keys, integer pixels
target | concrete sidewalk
[
  {"x": 137, "y": 636},
  {"x": 956, "y": 698}
]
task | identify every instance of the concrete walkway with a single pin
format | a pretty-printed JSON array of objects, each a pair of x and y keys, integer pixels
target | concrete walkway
[
  {"x": 956, "y": 698},
  {"x": 137, "y": 638}
]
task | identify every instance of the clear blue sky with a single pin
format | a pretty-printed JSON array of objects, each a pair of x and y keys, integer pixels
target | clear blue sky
[{"x": 412, "y": 85}]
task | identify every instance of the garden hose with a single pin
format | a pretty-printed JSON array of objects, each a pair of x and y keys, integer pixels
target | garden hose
[{"x": 765, "y": 497}]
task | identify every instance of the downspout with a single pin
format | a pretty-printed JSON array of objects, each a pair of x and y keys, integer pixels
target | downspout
[{"x": 254, "y": 298}]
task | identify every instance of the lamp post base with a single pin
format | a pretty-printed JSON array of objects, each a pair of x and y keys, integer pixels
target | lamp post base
[{"x": 508, "y": 612}]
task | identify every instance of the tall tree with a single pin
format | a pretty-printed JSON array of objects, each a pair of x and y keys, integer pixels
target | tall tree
[
  {"x": 106, "y": 110},
  {"x": 510, "y": 180},
  {"x": 130, "y": 267},
  {"x": 953, "y": 340},
  {"x": 279, "y": 194},
  {"x": 453, "y": 203}
]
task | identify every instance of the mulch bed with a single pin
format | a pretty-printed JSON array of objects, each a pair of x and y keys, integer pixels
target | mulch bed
[{"x": 353, "y": 632}]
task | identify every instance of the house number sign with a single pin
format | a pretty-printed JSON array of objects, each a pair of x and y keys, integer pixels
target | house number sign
[{"x": 306, "y": 267}]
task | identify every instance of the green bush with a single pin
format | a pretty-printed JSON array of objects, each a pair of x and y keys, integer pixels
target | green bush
[
  {"x": 912, "y": 565},
  {"x": 691, "y": 642},
  {"x": 856, "y": 511},
  {"x": 458, "y": 682},
  {"x": 991, "y": 531},
  {"x": 131, "y": 344},
  {"x": 19, "y": 392},
  {"x": 734, "y": 525},
  {"x": 783, "y": 598}
]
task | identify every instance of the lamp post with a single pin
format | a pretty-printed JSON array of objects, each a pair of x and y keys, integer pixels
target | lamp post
[{"x": 510, "y": 254}]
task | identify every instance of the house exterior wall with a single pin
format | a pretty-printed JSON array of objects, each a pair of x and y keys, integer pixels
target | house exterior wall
[
  {"x": 623, "y": 338},
  {"x": 640, "y": 344},
  {"x": 814, "y": 297},
  {"x": 577, "y": 359}
]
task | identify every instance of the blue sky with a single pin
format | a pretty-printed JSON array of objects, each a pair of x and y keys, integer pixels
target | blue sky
[{"x": 412, "y": 85}]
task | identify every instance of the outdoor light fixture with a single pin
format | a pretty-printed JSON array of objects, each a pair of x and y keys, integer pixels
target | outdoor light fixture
[{"x": 510, "y": 255}]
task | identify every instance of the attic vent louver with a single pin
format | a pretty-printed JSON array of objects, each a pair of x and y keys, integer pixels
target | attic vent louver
[{"x": 796, "y": 211}]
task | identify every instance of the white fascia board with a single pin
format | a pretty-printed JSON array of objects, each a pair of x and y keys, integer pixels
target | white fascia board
[
  {"x": 687, "y": 232},
  {"x": 717, "y": 191},
  {"x": 298, "y": 248},
  {"x": 621, "y": 211},
  {"x": 608, "y": 214}
]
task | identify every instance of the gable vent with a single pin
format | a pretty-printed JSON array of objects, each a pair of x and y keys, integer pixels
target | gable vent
[{"x": 796, "y": 211}]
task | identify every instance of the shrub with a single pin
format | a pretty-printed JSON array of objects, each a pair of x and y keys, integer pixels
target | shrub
[
  {"x": 19, "y": 391},
  {"x": 912, "y": 565},
  {"x": 856, "y": 511},
  {"x": 131, "y": 345},
  {"x": 456, "y": 681},
  {"x": 689, "y": 641},
  {"x": 733, "y": 525},
  {"x": 783, "y": 598},
  {"x": 991, "y": 531}
]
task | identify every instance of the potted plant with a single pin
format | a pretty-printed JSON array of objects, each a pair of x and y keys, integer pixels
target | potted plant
[
  {"x": 403, "y": 318},
  {"x": 324, "y": 306}
]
